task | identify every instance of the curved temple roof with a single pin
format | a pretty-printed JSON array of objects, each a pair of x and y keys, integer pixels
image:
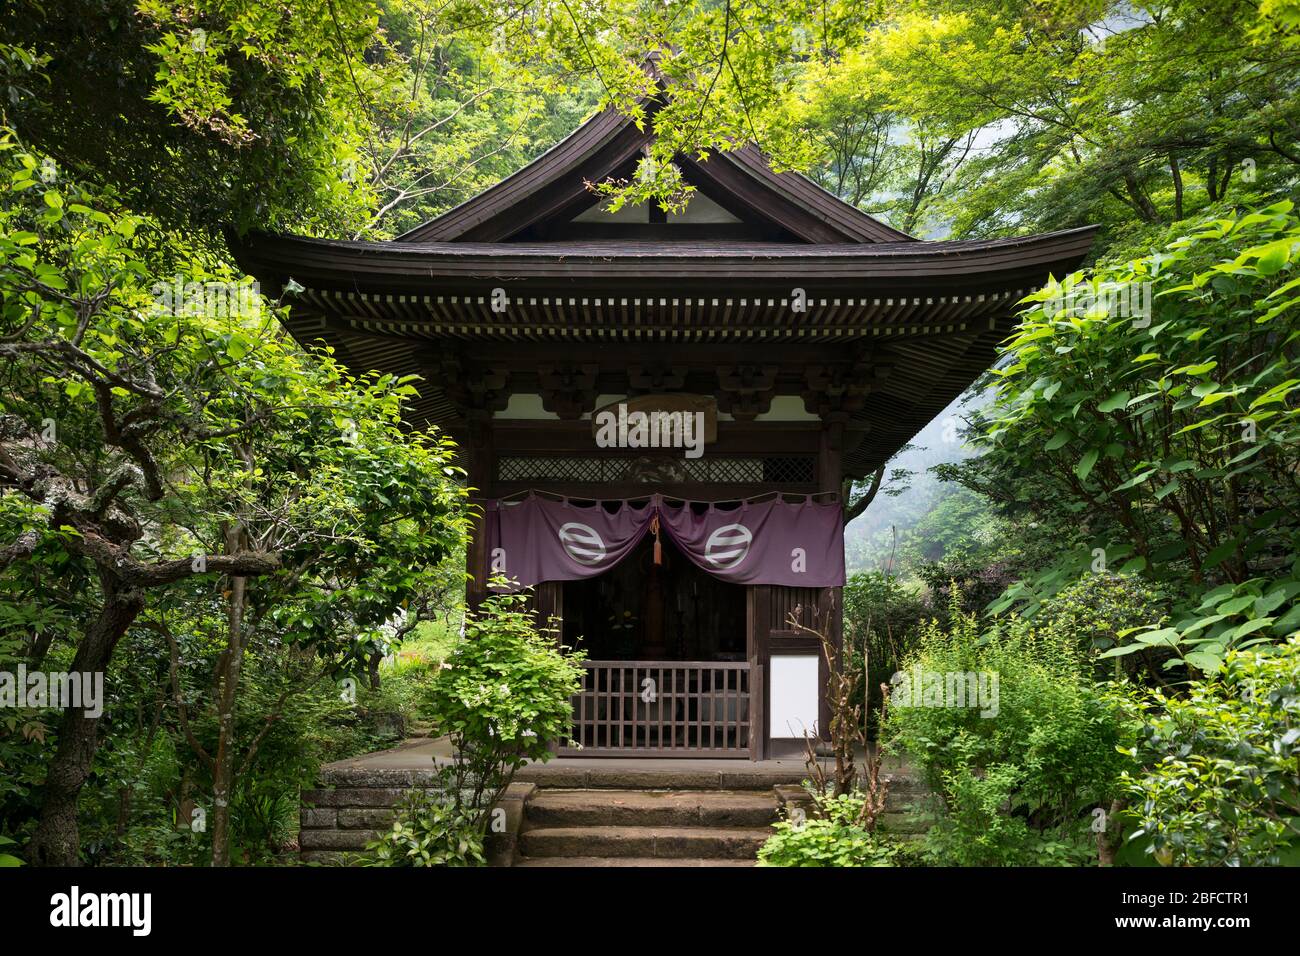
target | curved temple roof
[
  {"x": 783, "y": 261},
  {"x": 398, "y": 266}
]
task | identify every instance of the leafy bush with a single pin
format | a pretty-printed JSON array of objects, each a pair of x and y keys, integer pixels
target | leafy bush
[
  {"x": 1097, "y": 612},
  {"x": 1229, "y": 617},
  {"x": 882, "y": 612},
  {"x": 1221, "y": 786},
  {"x": 997, "y": 547},
  {"x": 976, "y": 580},
  {"x": 980, "y": 829},
  {"x": 1093, "y": 612},
  {"x": 8, "y": 859},
  {"x": 832, "y": 837},
  {"x": 503, "y": 696},
  {"x": 1016, "y": 779},
  {"x": 881, "y": 619},
  {"x": 1169, "y": 427},
  {"x": 429, "y": 831},
  {"x": 818, "y": 842}
]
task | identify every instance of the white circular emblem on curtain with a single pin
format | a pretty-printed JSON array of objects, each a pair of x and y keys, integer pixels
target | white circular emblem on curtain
[
  {"x": 728, "y": 546},
  {"x": 582, "y": 543}
]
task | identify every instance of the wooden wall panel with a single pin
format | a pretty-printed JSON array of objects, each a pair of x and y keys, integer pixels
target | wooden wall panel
[{"x": 786, "y": 601}]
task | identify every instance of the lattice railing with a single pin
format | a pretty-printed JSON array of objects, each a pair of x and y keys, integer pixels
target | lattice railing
[{"x": 668, "y": 708}]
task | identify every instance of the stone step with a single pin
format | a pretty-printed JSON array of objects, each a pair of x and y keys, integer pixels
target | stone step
[
  {"x": 604, "y": 861},
  {"x": 576, "y": 774},
  {"x": 652, "y": 808},
  {"x": 678, "y": 843},
  {"x": 900, "y": 823},
  {"x": 906, "y": 783},
  {"x": 898, "y": 801}
]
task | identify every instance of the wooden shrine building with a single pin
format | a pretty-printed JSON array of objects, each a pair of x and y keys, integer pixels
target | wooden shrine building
[{"x": 803, "y": 340}]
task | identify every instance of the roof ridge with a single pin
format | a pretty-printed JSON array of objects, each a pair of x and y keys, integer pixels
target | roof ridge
[{"x": 610, "y": 138}]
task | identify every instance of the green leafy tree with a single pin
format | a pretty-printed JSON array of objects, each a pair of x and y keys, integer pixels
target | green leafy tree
[
  {"x": 1171, "y": 428},
  {"x": 160, "y": 434},
  {"x": 1129, "y": 115}
]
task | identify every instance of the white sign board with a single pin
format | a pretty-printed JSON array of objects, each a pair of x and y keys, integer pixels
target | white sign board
[{"x": 794, "y": 694}]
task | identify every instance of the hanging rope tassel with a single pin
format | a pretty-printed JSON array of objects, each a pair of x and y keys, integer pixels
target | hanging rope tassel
[{"x": 654, "y": 530}]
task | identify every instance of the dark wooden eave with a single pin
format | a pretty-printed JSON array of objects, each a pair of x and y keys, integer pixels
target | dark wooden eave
[
  {"x": 934, "y": 312},
  {"x": 424, "y": 268}
]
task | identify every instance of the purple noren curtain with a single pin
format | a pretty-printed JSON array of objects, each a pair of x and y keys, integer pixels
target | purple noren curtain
[{"x": 801, "y": 544}]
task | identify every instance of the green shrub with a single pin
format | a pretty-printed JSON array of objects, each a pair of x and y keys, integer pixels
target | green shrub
[
  {"x": 1098, "y": 612},
  {"x": 979, "y": 828},
  {"x": 831, "y": 837},
  {"x": 1092, "y": 613},
  {"x": 879, "y": 608},
  {"x": 1221, "y": 785},
  {"x": 1232, "y": 616},
  {"x": 503, "y": 696},
  {"x": 1173, "y": 439},
  {"x": 430, "y": 830},
  {"x": 819, "y": 842},
  {"x": 881, "y": 619},
  {"x": 8, "y": 859},
  {"x": 1016, "y": 775},
  {"x": 977, "y": 580}
]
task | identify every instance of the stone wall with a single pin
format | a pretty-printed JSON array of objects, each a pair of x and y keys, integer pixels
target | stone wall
[
  {"x": 353, "y": 806},
  {"x": 906, "y": 802}
]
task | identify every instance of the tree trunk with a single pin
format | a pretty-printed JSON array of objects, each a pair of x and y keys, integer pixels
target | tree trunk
[
  {"x": 854, "y": 508},
  {"x": 223, "y": 769},
  {"x": 1225, "y": 181},
  {"x": 1109, "y": 839},
  {"x": 185, "y": 805},
  {"x": 56, "y": 840},
  {"x": 39, "y": 647},
  {"x": 1141, "y": 201},
  {"x": 1176, "y": 171}
]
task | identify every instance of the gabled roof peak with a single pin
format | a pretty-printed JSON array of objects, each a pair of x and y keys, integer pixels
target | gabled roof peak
[{"x": 552, "y": 190}]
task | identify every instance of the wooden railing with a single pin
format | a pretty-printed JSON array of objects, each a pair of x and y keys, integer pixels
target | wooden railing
[{"x": 662, "y": 708}]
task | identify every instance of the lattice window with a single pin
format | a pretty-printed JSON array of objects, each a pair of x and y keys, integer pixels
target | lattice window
[
  {"x": 511, "y": 468},
  {"x": 789, "y": 470},
  {"x": 590, "y": 469}
]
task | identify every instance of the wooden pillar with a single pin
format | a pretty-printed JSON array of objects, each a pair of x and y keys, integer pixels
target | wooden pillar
[
  {"x": 758, "y": 610},
  {"x": 830, "y": 451},
  {"x": 479, "y": 466},
  {"x": 830, "y": 478}
]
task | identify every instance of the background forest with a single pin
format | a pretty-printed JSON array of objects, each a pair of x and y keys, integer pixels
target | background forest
[{"x": 266, "y": 564}]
